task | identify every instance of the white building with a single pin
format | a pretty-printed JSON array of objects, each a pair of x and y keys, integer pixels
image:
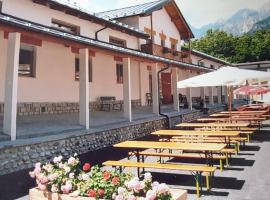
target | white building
[{"x": 46, "y": 45}]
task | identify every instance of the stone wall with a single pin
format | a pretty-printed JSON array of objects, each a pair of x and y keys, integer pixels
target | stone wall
[
  {"x": 19, "y": 157},
  {"x": 26, "y": 109},
  {"x": 23, "y": 154}
]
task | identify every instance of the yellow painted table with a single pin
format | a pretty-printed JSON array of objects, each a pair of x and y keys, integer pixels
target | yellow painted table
[
  {"x": 204, "y": 147},
  {"x": 232, "y": 119},
  {"x": 196, "y": 133},
  {"x": 212, "y": 125},
  {"x": 222, "y": 134}
]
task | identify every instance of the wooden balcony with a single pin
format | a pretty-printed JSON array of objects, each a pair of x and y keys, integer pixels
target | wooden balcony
[{"x": 165, "y": 52}]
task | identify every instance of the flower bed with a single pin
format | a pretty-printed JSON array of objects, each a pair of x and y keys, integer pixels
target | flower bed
[{"x": 68, "y": 180}]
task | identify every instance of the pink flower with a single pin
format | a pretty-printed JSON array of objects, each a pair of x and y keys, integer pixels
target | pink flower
[
  {"x": 53, "y": 176},
  {"x": 119, "y": 197},
  {"x": 131, "y": 197},
  {"x": 71, "y": 161},
  {"x": 163, "y": 189},
  {"x": 57, "y": 159},
  {"x": 66, "y": 188},
  {"x": 41, "y": 187},
  {"x": 42, "y": 178},
  {"x": 150, "y": 195}
]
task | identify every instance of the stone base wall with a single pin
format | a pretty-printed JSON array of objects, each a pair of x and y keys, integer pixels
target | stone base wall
[
  {"x": 25, "y": 153},
  {"x": 26, "y": 109},
  {"x": 19, "y": 157}
]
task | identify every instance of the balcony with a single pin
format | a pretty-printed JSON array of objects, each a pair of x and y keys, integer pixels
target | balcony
[{"x": 165, "y": 52}]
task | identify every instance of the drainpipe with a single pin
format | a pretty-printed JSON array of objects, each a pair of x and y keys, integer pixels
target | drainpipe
[
  {"x": 159, "y": 104},
  {"x": 96, "y": 33}
]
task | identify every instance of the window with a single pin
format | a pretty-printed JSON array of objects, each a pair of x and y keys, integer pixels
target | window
[
  {"x": 118, "y": 42},
  {"x": 63, "y": 26},
  {"x": 162, "y": 43},
  {"x": 1, "y": 3},
  {"x": 173, "y": 46},
  {"x": 27, "y": 61},
  {"x": 119, "y": 73},
  {"x": 212, "y": 67},
  {"x": 77, "y": 70}
]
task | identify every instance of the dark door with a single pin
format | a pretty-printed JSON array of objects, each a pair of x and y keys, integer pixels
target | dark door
[{"x": 166, "y": 88}]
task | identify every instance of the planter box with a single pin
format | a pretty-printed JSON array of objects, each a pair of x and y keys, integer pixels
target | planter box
[{"x": 35, "y": 194}]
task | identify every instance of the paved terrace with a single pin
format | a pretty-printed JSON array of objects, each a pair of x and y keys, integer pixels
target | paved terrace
[
  {"x": 45, "y": 125},
  {"x": 248, "y": 177}
]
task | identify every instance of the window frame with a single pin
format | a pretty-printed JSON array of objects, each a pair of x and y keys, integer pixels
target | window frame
[
  {"x": 116, "y": 43},
  {"x": 119, "y": 73},
  {"x": 77, "y": 69},
  {"x": 74, "y": 29},
  {"x": 33, "y": 49}
]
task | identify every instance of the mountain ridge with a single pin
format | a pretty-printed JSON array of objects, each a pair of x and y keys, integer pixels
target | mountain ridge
[{"x": 243, "y": 21}]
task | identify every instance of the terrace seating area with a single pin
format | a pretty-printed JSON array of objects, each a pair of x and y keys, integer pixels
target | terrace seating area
[{"x": 202, "y": 148}]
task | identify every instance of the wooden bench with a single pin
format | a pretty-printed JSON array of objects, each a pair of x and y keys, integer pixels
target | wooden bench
[
  {"x": 108, "y": 103},
  {"x": 221, "y": 158},
  {"x": 196, "y": 170}
]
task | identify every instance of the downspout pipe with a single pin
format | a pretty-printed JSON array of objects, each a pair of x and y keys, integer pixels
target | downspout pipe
[
  {"x": 159, "y": 103},
  {"x": 96, "y": 33}
]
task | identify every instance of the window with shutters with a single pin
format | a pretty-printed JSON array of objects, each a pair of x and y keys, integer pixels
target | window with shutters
[{"x": 117, "y": 41}]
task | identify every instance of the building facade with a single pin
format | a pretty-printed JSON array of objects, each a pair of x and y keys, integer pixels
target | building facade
[{"x": 59, "y": 58}]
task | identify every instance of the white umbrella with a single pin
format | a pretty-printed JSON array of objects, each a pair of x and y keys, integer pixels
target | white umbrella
[{"x": 225, "y": 76}]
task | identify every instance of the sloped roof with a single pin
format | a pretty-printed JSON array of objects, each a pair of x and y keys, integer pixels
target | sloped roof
[
  {"x": 140, "y": 9},
  {"x": 147, "y": 8},
  {"x": 35, "y": 27},
  {"x": 83, "y": 13}
]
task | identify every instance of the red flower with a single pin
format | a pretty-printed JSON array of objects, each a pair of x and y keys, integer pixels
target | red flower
[
  {"x": 86, "y": 167},
  {"x": 101, "y": 193},
  {"x": 106, "y": 175},
  {"x": 92, "y": 193},
  {"x": 116, "y": 181}
]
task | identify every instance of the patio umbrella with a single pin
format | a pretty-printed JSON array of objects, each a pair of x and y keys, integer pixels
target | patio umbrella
[
  {"x": 251, "y": 90},
  {"x": 225, "y": 76}
]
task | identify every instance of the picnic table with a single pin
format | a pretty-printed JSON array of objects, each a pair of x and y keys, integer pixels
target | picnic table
[
  {"x": 212, "y": 125},
  {"x": 227, "y": 135},
  {"x": 246, "y": 111},
  {"x": 233, "y": 119},
  {"x": 237, "y": 115},
  {"x": 206, "y": 148}
]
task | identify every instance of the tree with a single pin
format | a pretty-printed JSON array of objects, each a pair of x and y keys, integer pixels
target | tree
[{"x": 235, "y": 49}]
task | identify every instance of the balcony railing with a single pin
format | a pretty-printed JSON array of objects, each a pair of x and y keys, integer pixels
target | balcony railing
[{"x": 165, "y": 52}]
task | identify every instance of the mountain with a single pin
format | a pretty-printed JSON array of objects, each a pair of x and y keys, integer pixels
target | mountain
[
  {"x": 260, "y": 25},
  {"x": 239, "y": 23}
]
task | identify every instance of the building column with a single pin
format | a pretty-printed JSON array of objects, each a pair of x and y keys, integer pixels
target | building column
[
  {"x": 189, "y": 98},
  {"x": 225, "y": 92},
  {"x": 11, "y": 85},
  {"x": 127, "y": 88},
  {"x": 211, "y": 97},
  {"x": 175, "y": 89},
  {"x": 84, "y": 88},
  {"x": 219, "y": 94},
  {"x": 203, "y": 96},
  {"x": 155, "y": 96}
]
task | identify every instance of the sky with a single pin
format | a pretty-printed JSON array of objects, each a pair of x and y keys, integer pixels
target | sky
[{"x": 196, "y": 12}]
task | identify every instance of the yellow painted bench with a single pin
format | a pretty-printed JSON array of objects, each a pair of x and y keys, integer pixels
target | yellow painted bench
[
  {"x": 221, "y": 158},
  {"x": 196, "y": 170}
]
